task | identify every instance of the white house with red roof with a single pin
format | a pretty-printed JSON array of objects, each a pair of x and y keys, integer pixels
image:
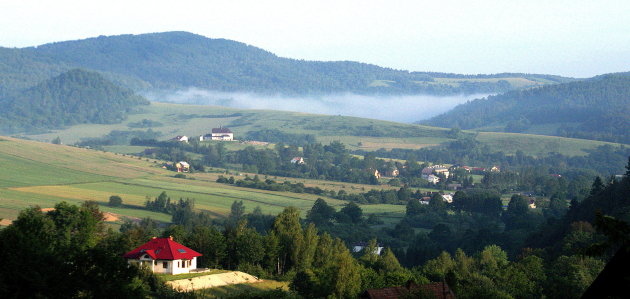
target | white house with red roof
[{"x": 163, "y": 255}]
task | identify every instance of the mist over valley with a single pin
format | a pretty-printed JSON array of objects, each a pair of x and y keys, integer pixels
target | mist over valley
[{"x": 398, "y": 108}]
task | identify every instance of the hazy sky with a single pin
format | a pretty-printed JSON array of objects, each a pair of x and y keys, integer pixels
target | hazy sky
[{"x": 572, "y": 38}]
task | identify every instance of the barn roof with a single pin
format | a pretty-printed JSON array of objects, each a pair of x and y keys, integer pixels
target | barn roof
[
  {"x": 163, "y": 249},
  {"x": 221, "y": 130}
]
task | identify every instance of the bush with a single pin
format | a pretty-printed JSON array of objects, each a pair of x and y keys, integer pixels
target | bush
[{"x": 115, "y": 201}]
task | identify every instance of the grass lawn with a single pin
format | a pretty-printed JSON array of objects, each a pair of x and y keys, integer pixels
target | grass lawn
[
  {"x": 170, "y": 277},
  {"x": 236, "y": 289}
]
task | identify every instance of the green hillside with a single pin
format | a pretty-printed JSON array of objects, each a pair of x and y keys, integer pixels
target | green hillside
[
  {"x": 43, "y": 174},
  {"x": 356, "y": 133},
  {"x": 74, "y": 97},
  {"x": 173, "y": 60},
  {"x": 598, "y": 108}
]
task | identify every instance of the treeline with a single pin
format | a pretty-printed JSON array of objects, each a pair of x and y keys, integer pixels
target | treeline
[
  {"x": 119, "y": 137},
  {"x": 69, "y": 253},
  {"x": 271, "y": 185},
  {"x": 592, "y": 109},
  {"x": 74, "y": 97},
  {"x": 218, "y": 64},
  {"x": 277, "y": 136}
]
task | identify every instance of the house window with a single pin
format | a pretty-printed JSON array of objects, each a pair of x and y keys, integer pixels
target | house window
[
  {"x": 155, "y": 263},
  {"x": 178, "y": 265},
  {"x": 165, "y": 265}
]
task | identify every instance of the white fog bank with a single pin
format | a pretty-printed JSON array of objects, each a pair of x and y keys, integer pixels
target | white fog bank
[{"x": 405, "y": 108}]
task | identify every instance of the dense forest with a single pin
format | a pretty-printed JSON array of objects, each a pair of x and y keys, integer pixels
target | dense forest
[
  {"x": 74, "y": 97},
  {"x": 597, "y": 108},
  {"x": 174, "y": 60}
]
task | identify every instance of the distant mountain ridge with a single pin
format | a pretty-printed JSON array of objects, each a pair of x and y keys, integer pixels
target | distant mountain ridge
[
  {"x": 175, "y": 60},
  {"x": 597, "y": 108},
  {"x": 73, "y": 97}
]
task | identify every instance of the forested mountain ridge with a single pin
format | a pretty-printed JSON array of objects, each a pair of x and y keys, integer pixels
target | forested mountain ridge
[
  {"x": 74, "y": 97},
  {"x": 174, "y": 60},
  {"x": 598, "y": 108}
]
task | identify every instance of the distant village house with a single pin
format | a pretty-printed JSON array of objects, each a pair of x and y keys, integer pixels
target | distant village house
[
  {"x": 163, "y": 255},
  {"x": 436, "y": 170},
  {"x": 358, "y": 247},
  {"x": 297, "y": 160},
  {"x": 392, "y": 172},
  {"x": 431, "y": 178},
  {"x": 182, "y": 166},
  {"x": 375, "y": 172},
  {"x": 181, "y": 139},
  {"x": 220, "y": 133}
]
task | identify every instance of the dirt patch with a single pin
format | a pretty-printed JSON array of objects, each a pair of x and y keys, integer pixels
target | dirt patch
[
  {"x": 47, "y": 209},
  {"x": 213, "y": 280},
  {"x": 5, "y": 222},
  {"x": 110, "y": 217}
]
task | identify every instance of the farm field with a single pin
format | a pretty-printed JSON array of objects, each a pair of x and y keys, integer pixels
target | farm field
[
  {"x": 356, "y": 133},
  {"x": 34, "y": 173}
]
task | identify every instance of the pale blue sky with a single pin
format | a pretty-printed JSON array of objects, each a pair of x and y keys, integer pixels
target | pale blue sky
[{"x": 571, "y": 38}]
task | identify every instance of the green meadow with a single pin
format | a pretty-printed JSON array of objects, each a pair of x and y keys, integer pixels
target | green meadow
[
  {"x": 356, "y": 133},
  {"x": 34, "y": 173}
]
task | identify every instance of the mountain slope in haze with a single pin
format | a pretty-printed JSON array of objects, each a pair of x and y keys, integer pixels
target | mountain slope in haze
[
  {"x": 74, "y": 97},
  {"x": 598, "y": 108},
  {"x": 174, "y": 60}
]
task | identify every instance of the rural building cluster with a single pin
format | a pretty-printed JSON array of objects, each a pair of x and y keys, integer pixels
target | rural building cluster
[{"x": 219, "y": 134}]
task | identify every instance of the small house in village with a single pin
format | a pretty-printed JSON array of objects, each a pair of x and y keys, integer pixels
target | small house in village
[
  {"x": 392, "y": 172},
  {"x": 163, "y": 255},
  {"x": 532, "y": 203},
  {"x": 436, "y": 169},
  {"x": 375, "y": 172},
  {"x": 182, "y": 166},
  {"x": 434, "y": 179},
  {"x": 180, "y": 138},
  {"x": 222, "y": 133},
  {"x": 297, "y": 160},
  {"x": 358, "y": 247},
  {"x": 448, "y": 198}
]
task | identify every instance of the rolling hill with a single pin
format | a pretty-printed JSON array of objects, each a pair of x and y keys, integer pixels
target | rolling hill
[
  {"x": 174, "y": 60},
  {"x": 356, "y": 133},
  {"x": 35, "y": 173},
  {"x": 597, "y": 108},
  {"x": 73, "y": 97}
]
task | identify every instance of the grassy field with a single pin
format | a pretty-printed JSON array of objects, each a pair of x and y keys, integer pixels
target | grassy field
[
  {"x": 34, "y": 173},
  {"x": 192, "y": 120},
  {"x": 170, "y": 277},
  {"x": 538, "y": 144},
  {"x": 516, "y": 82},
  {"x": 236, "y": 289}
]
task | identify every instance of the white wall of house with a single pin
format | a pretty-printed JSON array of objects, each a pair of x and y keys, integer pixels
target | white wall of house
[
  {"x": 166, "y": 266},
  {"x": 223, "y": 136}
]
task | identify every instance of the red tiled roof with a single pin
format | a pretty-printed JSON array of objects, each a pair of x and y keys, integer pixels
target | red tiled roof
[{"x": 163, "y": 249}]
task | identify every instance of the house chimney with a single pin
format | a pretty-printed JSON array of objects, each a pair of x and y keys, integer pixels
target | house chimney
[
  {"x": 152, "y": 238},
  {"x": 170, "y": 237}
]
